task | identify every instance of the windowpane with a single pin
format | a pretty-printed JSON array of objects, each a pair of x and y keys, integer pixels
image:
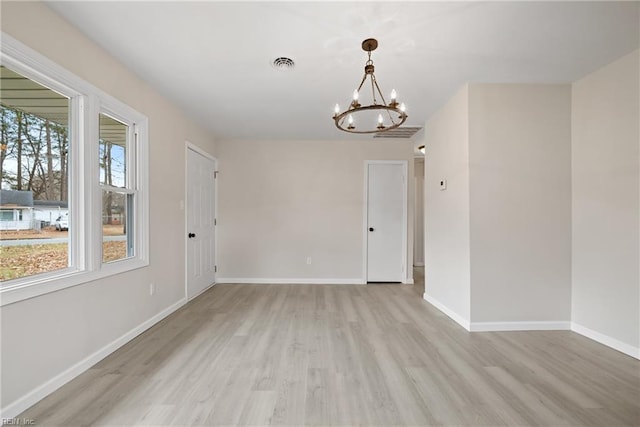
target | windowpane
[
  {"x": 117, "y": 226},
  {"x": 113, "y": 150},
  {"x": 34, "y": 159}
]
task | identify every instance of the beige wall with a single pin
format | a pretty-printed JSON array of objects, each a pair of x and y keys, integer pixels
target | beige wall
[
  {"x": 447, "y": 272},
  {"x": 44, "y": 336},
  {"x": 554, "y": 206},
  {"x": 606, "y": 174},
  {"x": 520, "y": 202},
  {"x": 498, "y": 239},
  {"x": 283, "y": 201}
]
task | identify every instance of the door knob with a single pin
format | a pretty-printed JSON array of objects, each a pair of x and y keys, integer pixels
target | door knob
[
  {"x": 191, "y": 235},
  {"x": 370, "y": 228}
]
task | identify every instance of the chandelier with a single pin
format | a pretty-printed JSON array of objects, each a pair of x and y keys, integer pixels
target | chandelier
[{"x": 390, "y": 115}]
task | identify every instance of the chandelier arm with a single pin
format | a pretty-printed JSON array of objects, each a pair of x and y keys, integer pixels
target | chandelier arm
[
  {"x": 380, "y": 92},
  {"x": 391, "y": 117},
  {"x": 373, "y": 88},
  {"x": 362, "y": 82}
]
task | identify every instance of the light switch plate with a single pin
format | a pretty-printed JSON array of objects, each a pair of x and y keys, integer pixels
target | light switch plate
[{"x": 443, "y": 184}]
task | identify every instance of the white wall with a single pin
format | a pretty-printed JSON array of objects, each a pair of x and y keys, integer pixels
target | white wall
[
  {"x": 520, "y": 203},
  {"x": 447, "y": 272},
  {"x": 45, "y": 336},
  {"x": 606, "y": 173},
  {"x": 283, "y": 201}
]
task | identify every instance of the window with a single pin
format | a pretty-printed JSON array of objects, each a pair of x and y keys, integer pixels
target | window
[
  {"x": 118, "y": 189},
  {"x": 67, "y": 143}
]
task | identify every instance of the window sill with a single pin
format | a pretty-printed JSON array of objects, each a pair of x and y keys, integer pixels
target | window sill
[{"x": 53, "y": 282}]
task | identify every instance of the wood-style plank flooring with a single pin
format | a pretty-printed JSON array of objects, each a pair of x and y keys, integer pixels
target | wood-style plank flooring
[{"x": 344, "y": 355}]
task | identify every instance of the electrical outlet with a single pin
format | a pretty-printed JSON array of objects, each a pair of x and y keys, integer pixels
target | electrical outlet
[
  {"x": 309, "y": 260},
  {"x": 152, "y": 288}
]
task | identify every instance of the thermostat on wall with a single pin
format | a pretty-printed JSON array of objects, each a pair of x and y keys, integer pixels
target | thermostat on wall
[{"x": 443, "y": 184}]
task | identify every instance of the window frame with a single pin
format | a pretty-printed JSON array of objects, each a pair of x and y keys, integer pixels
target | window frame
[{"x": 85, "y": 193}]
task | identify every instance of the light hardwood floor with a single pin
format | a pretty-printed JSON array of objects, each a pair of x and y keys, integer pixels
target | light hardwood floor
[{"x": 344, "y": 355}]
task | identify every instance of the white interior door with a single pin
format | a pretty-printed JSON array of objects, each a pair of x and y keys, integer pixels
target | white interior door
[
  {"x": 386, "y": 221},
  {"x": 201, "y": 231},
  {"x": 418, "y": 213}
]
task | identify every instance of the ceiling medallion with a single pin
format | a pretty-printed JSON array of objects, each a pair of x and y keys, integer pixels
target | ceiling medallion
[{"x": 390, "y": 116}]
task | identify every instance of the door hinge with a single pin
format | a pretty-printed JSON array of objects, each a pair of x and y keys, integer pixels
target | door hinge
[
  {"x": 215, "y": 174},
  {"x": 215, "y": 221},
  {"x": 215, "y": 268}
]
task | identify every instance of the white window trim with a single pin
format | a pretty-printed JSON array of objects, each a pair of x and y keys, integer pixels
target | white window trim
[{"x": 87, "y": 101}]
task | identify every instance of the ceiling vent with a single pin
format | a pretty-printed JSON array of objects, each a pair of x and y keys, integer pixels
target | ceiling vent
[
  {"x": 401, "y": 132},
  {"x": 283, "y": 64}
]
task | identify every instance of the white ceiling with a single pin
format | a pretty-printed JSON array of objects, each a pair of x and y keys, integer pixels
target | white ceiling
[{"x": 213, "y": 58}]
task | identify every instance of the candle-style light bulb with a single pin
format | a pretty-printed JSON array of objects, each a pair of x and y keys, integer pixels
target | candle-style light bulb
[
  {"x": 350, "y": 121},
  {"x": 336, "y": 109},
  {"x": 355, "y": 95},
  {"x": 393, "y": 95},
  {"x": 402, "y": 107},
  {"x": 380, "y": 119}
]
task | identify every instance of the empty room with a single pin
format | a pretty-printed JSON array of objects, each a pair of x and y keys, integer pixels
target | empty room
[{"x": 319, "y": 213}]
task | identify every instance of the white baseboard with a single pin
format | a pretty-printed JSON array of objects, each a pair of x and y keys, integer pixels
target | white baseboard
[
  {"x": 15, "y": 408},
  {"x": 443, "y": 308},
  {"x": 269, "y": 281},
  {"x": 606, "y": 340},
  {"x": 407, "y": 282},
  {"x": 521, "y": 326}
]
